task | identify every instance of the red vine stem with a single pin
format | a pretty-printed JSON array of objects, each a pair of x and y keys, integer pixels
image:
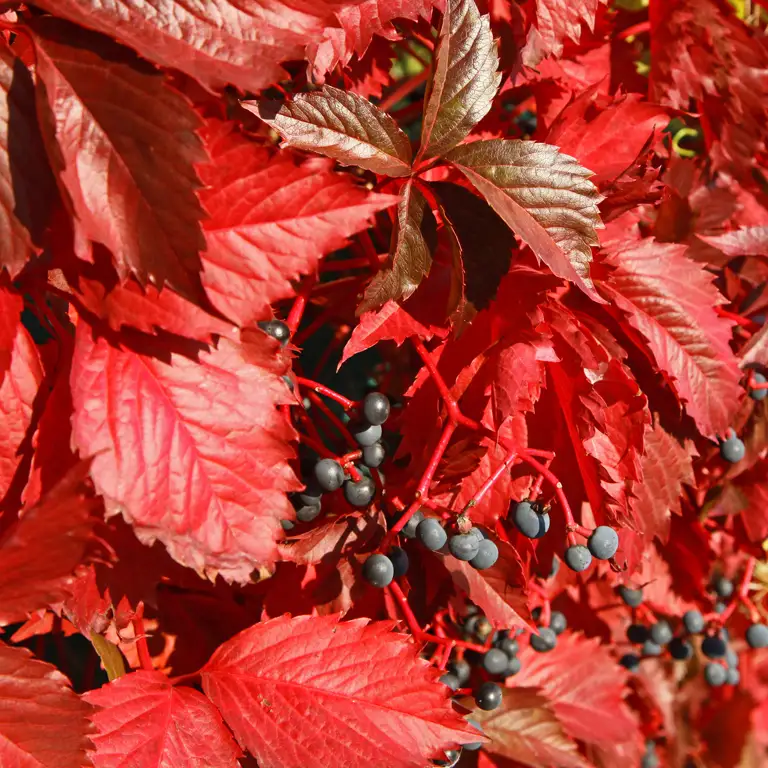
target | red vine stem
[
  {"x": 141, "y": 643},
  {"x": 332, "y": 418},
  {"x": 321, "y": 389},
  {"x": 300, "y": 303},
  {"x": 489, "y": 483}
]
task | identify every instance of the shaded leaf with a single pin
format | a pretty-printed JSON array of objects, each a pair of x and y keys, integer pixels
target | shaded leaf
[
  {"x": 272, "y": 217},
  {"x": 21, "y": 373},
  {"x": 666, "y": 465},
  {"x": 40, "y": 552},
  {"x": 498, "y": 591},
  {"x": 340, "y": 125},
  {"x": 415, "y": 238},
  {"x": 42, "y": 721},
  {"x": 526, "y": 729},
  {"x": 464, "y": 81},
  {"x": 123, "y": 144},
  {"x": 672, "y": 302},
  {"x": 545, "y": 197},
  {"x": 486, "y": 244},
  {"x": 147, "y": 721},
  {"x": 186, "y": 451},
  {"x": 584, "y": 685},
  {"x": 365, "y": 695},
  {"x": 28, "y": 185}
]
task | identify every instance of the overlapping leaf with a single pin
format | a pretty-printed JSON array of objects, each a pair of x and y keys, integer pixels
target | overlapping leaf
[
  {"x": 271, "y": 219},
  {"x": 545, "y": 197},
  {"x": 748, "y": 241},
  {"x": 340, "y": 125},
  {"x": 21, "y": 373},
  {"x": 243, "y": 45},
  {"x": 147, "y": 721},
  {"x": 123, "y": 144},
  {"x": 43, "y": 723},
  {"x": 28, "y": 185},
  {"x": 584, "y": 686},
  {"x": 526, "y": 729},
  {"x": 39, "y": 552},
  {"x": 666, "y": 465},
  {"x": 414, "y": 240},
  {"x": 464, "y": 81},
  {"x": 364, "y": 695},
  {"x": 671, "y": 301},
  {"x": 192, "y": 453}
]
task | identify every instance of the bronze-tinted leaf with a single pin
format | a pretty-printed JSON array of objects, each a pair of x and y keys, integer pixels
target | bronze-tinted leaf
[
  {"x": 414, "y": 240},
  {"x": 465, "y": 79},
  {"x": 544, "y": 196},
  {"x": 340, "y": 125}
]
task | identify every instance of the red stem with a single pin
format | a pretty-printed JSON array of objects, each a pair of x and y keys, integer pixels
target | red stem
[
  {"x": 488, "y": 484},
  {"x": 321, "y": 389},
  {"x": 300, "y": 303},
  {"x": 141, "y": 644}
]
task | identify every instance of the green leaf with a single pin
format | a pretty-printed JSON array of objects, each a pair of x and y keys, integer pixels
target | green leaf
[
  {"x": 544, "y": 196},
  {"x": 414, "y": 239},
  {"x": 465, "y": 79},
  {"x": 340, "y": 125}
]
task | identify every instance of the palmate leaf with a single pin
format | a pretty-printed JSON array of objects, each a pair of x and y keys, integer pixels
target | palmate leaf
[
  {"x": 123, "y": 144},
  {"x": 545, "y": 197},
  {"x": 415, "y": 238},
  {"x": 271, "y": 218},
  {"x": 193, "y": 453},
  {"x": 672, "y": 302},
  {"x": 43, "y": 722},
  {"x": 147, "y": 721},
  {"x": 315, "y": 691},
  {"x": 464, "y": 81},
  {"x": 340, "y": 125}
]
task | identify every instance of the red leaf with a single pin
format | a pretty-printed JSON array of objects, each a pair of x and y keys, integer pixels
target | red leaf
[
  {"x": 526, "y": 729},
  {"x": 584, "y": 686},
  {"x": 147, "y": 721},
  {"x": 21, "y": 373},
  {"x": 342, "y": 126},
  {"x": 414, "y": 242},
  {"x": 129, "y": 172},
  {"x": 391, "y": 322},
  {"x": 606, "y": 134},
  {"x": 464, "y": 81},
  {"x": 666, "y": 465},
  {"x": 40, "y": 551},
  {"x": 28, "y": 184},
  {"x": 555, "y": 22},
  {"x": 499, "y": 591},
  {"x": 43, "y": 723},
  {"x": 149, "y": 310},
  {"x": 749, "y": 241},
  {"x": 192, "y": 454},
  {"x": 244, "y": 46},
  {"x": 272, "y": 218},
  {"x": 545, "y": 197},
  {"x": 671, "y": 301},
  {"x": 364, "y": 694}
]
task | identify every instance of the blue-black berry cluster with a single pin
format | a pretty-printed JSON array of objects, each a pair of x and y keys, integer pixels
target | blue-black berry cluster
[{"x": 531, "y": 518}]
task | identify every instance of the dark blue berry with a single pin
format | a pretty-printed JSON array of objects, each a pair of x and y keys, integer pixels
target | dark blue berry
[
  {"x": 732, "y": 450},
  {"x": 431, "y": 533},
  {"x": 374, "y": 455},
  {"x": 732, "y": 676},
  {"x": 399, "y": 558},
  {"x": 306, "y": 513},
  {"x": 495, "y": 661},
  {"x": 366, "y": 434},
  {"x": 723, "y": 587},
  {"x": 630, "y": 661},
  {"x": 378, "y": 570},
  {"x": 376, "y": 408},
  {"x": 680, "y": 649},
  {"x": 578, "y": 558},
  {"x": 475, "y": 745},
  {"x": 487, "y": 555},
  {"x": 329, "y": 474},
  {"x": 661, "y": 632},
  {"x": 637, "y": 634},
  {"x": 488, "y": 696},
  {"x": 277, "y": 329},
  {"x": 461, "y": 670},
  {"x": 557, "y": 622},
  {"x": 651, "y": 649},
  {"x": 757, "y": 636},
  {"x": 603, "y": 543},
  {"x": 409, "y": 529},
  {"x": 713, "y": 647},
  {"x": 464, "y": 546},
  {"x": 510, "y": 646},
  {"x": 451, "y": 681},
  {"x": 360, "y": 494},
  {"x": 544, "y": 641},
  {"x": 515, "y": 665},
  {"x": 693, "y": 622},
  {"x": 758, "y": 394},
  {"x": 631, "y": 597},
  {"x": 715, "y": 674}
]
